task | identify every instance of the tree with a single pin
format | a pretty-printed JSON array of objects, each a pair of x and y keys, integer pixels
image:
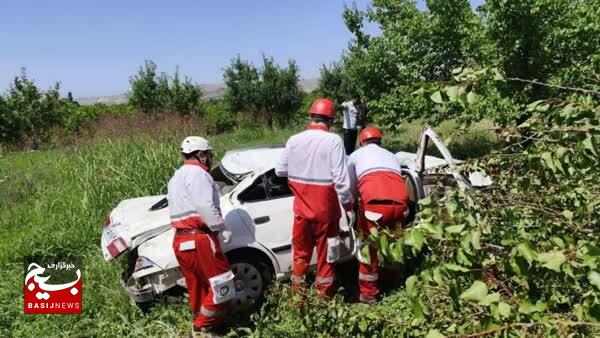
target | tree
[
  {"x": 334, "y": 83},
  {"x": 414, "y": 46},
  {"x": 184, "y": 95},
  {"x": 153, "y": 92},
  {"x": 545, "y": 40},
  {"x": 145, "y": 90},
  {"x": 29, "y": 111},
  {"x": 271, "y": 91}
]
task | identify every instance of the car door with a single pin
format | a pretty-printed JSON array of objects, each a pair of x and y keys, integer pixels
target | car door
[
  {"x": 268, "y": 202},
  {"x": 425, "y": 163},
  {"x": 270, "y": 209}
]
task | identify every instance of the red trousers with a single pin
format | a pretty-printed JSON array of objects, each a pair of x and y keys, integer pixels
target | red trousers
[
  {"x": 198, "y": 264},
  {"x": 368, "y": 274},
  {"x": 306, "y": 234}
]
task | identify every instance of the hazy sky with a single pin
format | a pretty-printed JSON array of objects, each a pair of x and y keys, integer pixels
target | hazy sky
[{"x": 92, "y": 47}]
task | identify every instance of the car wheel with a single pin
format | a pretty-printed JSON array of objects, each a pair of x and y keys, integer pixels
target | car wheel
[{"x": 252, "y": 276}]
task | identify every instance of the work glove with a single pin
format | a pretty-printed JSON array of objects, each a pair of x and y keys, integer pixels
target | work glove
[
  {"x": 226, "y": 234},
  {"x": 350, "y": 217}
]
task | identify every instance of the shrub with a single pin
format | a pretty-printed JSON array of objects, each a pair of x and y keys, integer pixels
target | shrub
[
  {"x": 29, "y": 111},
  {"x": 146, "y": 93},
  {"x": 152, "y": 92},
  {"x": 218, "y": 117}
]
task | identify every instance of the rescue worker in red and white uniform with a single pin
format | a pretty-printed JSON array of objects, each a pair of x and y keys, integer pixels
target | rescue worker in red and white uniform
[
  {"x": 376, "y": 178},
  {"x": 314, "y": 162},
  {"x": 196, "y": 216}
]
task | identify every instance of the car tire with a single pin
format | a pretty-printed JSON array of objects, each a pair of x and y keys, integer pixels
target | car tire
[{"x": 253, "y": 275}]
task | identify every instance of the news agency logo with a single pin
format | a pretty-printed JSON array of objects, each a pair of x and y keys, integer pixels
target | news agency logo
[{"x": 52, "y": 285}]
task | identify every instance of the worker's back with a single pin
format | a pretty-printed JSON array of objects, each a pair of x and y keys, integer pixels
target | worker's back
[
  {"x": 378, "y": 173},
  {"x": 315, "y": 167}
]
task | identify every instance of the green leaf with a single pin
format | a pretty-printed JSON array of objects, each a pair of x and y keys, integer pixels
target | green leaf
[
  {"x": 476, "y": 239},
  {"x": 491, "y": 298},
  {"x": 415, "y": 238},
  {"x": 543, "y": 108},
  {"x": 533, "y": 105},
  {"x": 547, "y": 157},
  {"x": 589, "y": 145},
  {"x": 455, "y": 229},
  {"x": 552, "y": 260},
  {"x": 365, "y": 252},
  {"x": 527, "y": 307},
  {"x": 527, "y": 252},
  {"x": 594, "y": 278},
  {"x": 476, "y": 292},
  {"x": 397, "y": 251},
  {"x": 455, "y": 267},
  {"x": 384, "y": 244},
  {"x": 558, "y": 242},
  {"x": 373, "y": 231},
  {"x": 437, "y": 276},
  {"x": 425, "y": 201},
  {"x": 568, "y": 214},
  {"x": 411, "y": 286},
  {"x": 452, "y": 93},
  {"x": 433, "y": 333},
  {"x": 504, "y": 309},
  {"x": 418, "y": 308},
  {"x": 497, "y": 75},
  {"x": 362, "y": 325},
  {"x": 437, "y": 97},
  {"x": 456, "y": 71},
  {"x": 419, "y": 91},
  {"x": 471, "y": 98}
]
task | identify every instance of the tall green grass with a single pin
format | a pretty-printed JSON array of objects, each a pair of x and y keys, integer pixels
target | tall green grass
[{"x": 54, "y": 202}]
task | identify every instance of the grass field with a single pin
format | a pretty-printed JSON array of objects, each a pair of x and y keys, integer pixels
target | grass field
[{"x": 53, "y": 203}]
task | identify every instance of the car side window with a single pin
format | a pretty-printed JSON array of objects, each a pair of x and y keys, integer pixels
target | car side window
[
  {"x": 277, "y": 186},
  {"x": 256, "y": 192}
]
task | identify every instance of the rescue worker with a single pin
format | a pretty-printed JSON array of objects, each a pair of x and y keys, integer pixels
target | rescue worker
[
  {"x": 314, "y": 162},
  {"x": 376, "y": 177},
  {"x": 195, "y": 213}
]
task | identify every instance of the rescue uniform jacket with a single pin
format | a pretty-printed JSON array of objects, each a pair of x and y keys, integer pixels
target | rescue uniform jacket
[
  {"x": 375, "y": 173},
  {"x": 194, "y": 198},
  {"x": 314, "y": 162}
]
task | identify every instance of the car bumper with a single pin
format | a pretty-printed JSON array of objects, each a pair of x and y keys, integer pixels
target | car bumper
[{"x": 138, "y": 294}]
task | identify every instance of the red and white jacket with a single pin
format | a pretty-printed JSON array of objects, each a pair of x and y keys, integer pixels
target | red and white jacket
[
  {"x": 194, "y": 198},
  {"x": 314, "y": 162},
  {"x": 375, "y": 173}
]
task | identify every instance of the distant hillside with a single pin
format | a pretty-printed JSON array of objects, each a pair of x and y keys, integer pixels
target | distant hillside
[{"x": 210, "y": 91}]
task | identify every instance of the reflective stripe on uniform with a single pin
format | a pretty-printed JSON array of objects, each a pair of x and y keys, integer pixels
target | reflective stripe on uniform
[
  {"x": 183, "y": 215},
  {"x": 208, "y": 313},
  {"x": 374, "y": 169},
  {"x": 311, "y": 180},
  {"x": 367, "y": 277},
  {"x": 367, "y": 300},
  {"x": 324, "y": 280}
]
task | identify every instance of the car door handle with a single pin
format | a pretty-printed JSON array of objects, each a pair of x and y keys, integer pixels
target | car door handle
[{"x": 261, "y": 220}]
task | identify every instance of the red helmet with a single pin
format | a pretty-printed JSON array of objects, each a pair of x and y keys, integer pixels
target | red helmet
[
  {"x": 369, "y": 133},
  {"x": 324, "y": 107}
]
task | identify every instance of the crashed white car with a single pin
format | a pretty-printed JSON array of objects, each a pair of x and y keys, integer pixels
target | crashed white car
[{"x": 257, "y": 208}]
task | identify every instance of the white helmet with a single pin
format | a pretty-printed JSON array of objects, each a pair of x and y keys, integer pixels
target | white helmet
[{"x": 195, "y": 143}]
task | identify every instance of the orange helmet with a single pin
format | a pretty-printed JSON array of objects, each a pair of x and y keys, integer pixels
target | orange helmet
[
  {"x": 324, "y": 107},
  {"x": 369, "y": 133}
]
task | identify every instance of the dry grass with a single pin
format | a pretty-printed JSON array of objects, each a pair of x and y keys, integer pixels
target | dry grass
[{"x": 126, "y": 126}]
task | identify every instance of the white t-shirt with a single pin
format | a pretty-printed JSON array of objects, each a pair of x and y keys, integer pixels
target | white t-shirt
[{"x": 351, "y": 114}]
